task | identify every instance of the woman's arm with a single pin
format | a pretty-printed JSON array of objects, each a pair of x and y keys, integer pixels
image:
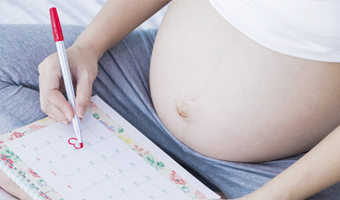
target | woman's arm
[
  {"x": 315, "y": 171},
  {"x": 115, "y": 21}
]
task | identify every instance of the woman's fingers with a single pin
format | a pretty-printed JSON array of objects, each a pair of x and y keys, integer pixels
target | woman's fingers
[
  {"x": 52, "y": 101},
  {"x": 55, "y": 109},
  {"x": 56, "y": 114},
  {"x": 83, "y": 91},
  {"x": 59, "y": 102}
]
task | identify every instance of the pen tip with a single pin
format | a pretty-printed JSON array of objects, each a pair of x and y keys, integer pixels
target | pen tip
[{"x": 81, "y": 145}]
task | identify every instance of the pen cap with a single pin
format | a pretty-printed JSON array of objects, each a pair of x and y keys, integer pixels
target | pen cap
[{"x": 56, "y": 28}]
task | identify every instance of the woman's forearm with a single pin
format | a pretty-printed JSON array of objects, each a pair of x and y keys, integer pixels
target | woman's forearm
[
  {"x": 315, "y": 171},
  {"x": 116, "y": 20}
]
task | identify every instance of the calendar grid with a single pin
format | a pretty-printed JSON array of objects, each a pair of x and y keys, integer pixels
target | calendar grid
[
  {"x": 111, "y": 157},
  {"x": 103, "y": 159}
]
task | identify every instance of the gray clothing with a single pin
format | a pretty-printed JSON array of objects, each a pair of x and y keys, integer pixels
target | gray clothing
[{"x": 123, "y": 83}]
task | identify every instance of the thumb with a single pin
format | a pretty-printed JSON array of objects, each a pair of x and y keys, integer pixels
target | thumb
[{"x": 83, "y": 95}]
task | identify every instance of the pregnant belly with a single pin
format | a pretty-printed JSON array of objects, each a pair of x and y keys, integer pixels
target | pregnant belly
[{"x": 227, "y": 97}]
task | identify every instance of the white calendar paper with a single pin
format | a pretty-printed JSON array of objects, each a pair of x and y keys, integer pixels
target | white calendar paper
[{"x": 106, "y": 168}]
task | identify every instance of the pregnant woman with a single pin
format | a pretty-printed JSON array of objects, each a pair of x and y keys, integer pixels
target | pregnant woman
[{"x": 244, "y": 94}]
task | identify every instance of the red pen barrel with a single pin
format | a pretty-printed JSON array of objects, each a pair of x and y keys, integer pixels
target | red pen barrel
[{"x": 56, "y": 28}]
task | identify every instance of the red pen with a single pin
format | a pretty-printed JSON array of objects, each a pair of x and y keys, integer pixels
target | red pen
[{"x": 59, "y": 41}]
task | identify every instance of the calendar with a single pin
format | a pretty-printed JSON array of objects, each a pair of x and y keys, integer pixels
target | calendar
[{"x": 117, "y": 162}]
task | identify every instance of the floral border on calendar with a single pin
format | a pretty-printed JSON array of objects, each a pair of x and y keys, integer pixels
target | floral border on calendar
[
  {"x": 48, "y": 193},
  {"x": 20, "y": 168},
  {"x": 154, "y": 161}
]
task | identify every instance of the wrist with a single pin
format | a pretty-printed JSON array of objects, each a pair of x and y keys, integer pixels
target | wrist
[
  {"x": 90, "y": 49},
  {"x": 84, "y": 58}
]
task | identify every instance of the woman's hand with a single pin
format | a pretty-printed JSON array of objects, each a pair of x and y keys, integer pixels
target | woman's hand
[{"x": 83, "y": 67}]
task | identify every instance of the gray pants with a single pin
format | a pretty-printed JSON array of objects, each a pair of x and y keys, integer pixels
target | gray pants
[{"x": 123, "y": 83}]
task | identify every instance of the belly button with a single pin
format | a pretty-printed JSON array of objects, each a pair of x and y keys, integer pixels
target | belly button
[{"x": 182, "y": 109}]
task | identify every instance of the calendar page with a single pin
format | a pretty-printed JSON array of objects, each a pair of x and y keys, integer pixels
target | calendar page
[{"x": 112, "y": 164}]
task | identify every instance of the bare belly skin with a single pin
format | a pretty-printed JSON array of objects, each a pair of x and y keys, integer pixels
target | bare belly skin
[{"x": 228, "y": 97}]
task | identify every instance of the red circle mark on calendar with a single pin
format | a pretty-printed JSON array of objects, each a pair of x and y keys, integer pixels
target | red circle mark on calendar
[{"x": 74, "y": 142}]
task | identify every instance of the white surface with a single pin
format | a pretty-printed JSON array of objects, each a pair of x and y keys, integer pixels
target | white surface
[
  {"x": 305, "y": 29},
  {"x": 75, "y": 12}
]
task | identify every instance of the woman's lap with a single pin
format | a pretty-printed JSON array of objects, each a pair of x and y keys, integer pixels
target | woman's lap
[{"x": 123, "y": 83}]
